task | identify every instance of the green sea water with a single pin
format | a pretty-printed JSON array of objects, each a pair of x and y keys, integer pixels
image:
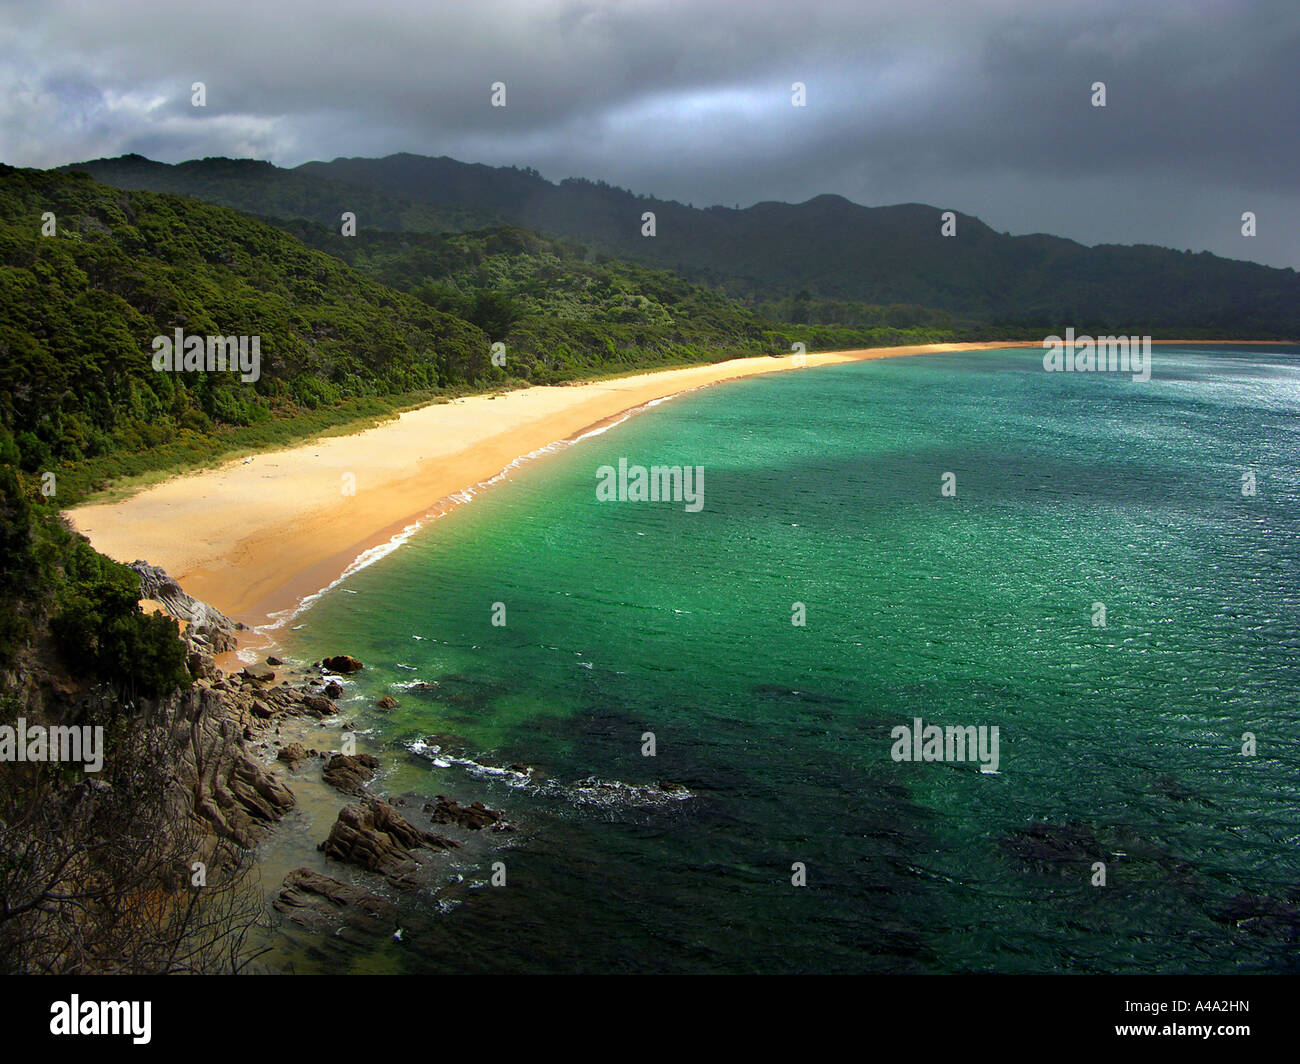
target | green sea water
[{"x": 824, "y": 487}]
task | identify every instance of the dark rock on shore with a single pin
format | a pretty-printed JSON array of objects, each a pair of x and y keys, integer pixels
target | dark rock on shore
[
  {"x": 264, "y": 703},
  {"x": 202, "y": 666},
  {"x": 376, "y": 837},
  {"x": 226, "y": 788},
  {"x": 333, "y": 689},
  {"x": 319, "y": 903},
  {"x": 318, "y": 706},
  {"x": 292, "y": 754},
  {"x": 240, "y": 800},
  {"x": 350, "y": 773},
  {"x": 343, "y": 663},
  {"x": 474, "y": 816}
]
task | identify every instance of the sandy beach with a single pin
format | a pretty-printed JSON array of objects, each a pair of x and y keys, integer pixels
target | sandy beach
[{"x": 255, "y": 536}]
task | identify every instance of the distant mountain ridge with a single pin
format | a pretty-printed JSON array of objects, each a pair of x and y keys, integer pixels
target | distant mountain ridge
[
  {"x": 257, "y": 187},
  {"x": 829, "y": 246}
]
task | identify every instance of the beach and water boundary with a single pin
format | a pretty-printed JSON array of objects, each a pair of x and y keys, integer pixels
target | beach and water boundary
[{"x": 261, "y": 537}]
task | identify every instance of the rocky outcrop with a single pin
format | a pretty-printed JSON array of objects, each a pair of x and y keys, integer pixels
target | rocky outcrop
[
  {"x": 316, "y": 706},
  {"x": 207, "y": 625},
  {"x": 387, "y": 702},
  {"x": 343, "y": 663},
  {"x": 319, "y": 903},
  {"x": 202, "y": 665},
  {"x": 256, "y": 793},
  {"x": 474, "y": 816},
  {"x": 376, "y": 837},
  {"x": 254, "y": 701},
  {"x": 229, "y": 791},
  {"x": 350, "y": 773},
  {"x": 292, "y": 754}
]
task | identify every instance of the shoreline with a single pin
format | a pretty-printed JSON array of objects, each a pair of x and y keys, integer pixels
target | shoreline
[{"x": 260, "y": 538}]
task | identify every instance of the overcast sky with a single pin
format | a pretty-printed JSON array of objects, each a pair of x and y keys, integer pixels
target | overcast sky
[{"x": 981, "y": 106}]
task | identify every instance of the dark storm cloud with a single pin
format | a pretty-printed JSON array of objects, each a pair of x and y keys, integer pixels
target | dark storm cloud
[{"x": 981, "y": 107}]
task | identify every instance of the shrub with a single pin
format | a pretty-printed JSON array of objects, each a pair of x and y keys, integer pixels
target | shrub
[{"x": 100, "y": 629}]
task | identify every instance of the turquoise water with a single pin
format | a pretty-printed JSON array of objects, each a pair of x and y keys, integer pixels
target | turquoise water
[{"x": 823, "y": 487}]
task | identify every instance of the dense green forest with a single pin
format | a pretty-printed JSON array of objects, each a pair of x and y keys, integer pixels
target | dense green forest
[
  {"x": 79, "y": 310},
  {"x": 349, "y": 327},
  {"x": 831, "y": 248},
  {"x": 52, "y": 579},
  {"x": 561, "y": 307}
]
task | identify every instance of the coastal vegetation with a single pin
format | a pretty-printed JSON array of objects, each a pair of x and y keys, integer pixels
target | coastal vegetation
[
  {"x": 350, "y": 328},
  {"x": 95, "y": 862}
]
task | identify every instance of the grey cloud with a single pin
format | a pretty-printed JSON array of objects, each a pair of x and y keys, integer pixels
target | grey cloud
[{"x": 982, "y": 107}]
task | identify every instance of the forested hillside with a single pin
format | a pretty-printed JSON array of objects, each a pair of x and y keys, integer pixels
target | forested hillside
[
  {"x": 828, "y": 247},
  {"x": 348, "y": 326},
  {"x": 79, "y": 311},
  {"x": 566, "y": 312}
]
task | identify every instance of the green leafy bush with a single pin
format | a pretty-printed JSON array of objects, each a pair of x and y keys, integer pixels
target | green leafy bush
[{"x": 99, "y": 628}]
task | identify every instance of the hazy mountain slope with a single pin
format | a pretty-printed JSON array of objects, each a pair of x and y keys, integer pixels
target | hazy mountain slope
[
  {"x": 877, "y": 255},
  {"x": 829, "y": 246},
  {"x": 259, "y": 188}
]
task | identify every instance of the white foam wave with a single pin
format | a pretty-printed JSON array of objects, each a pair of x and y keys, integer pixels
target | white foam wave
[{"x": 591, "y": 791}]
